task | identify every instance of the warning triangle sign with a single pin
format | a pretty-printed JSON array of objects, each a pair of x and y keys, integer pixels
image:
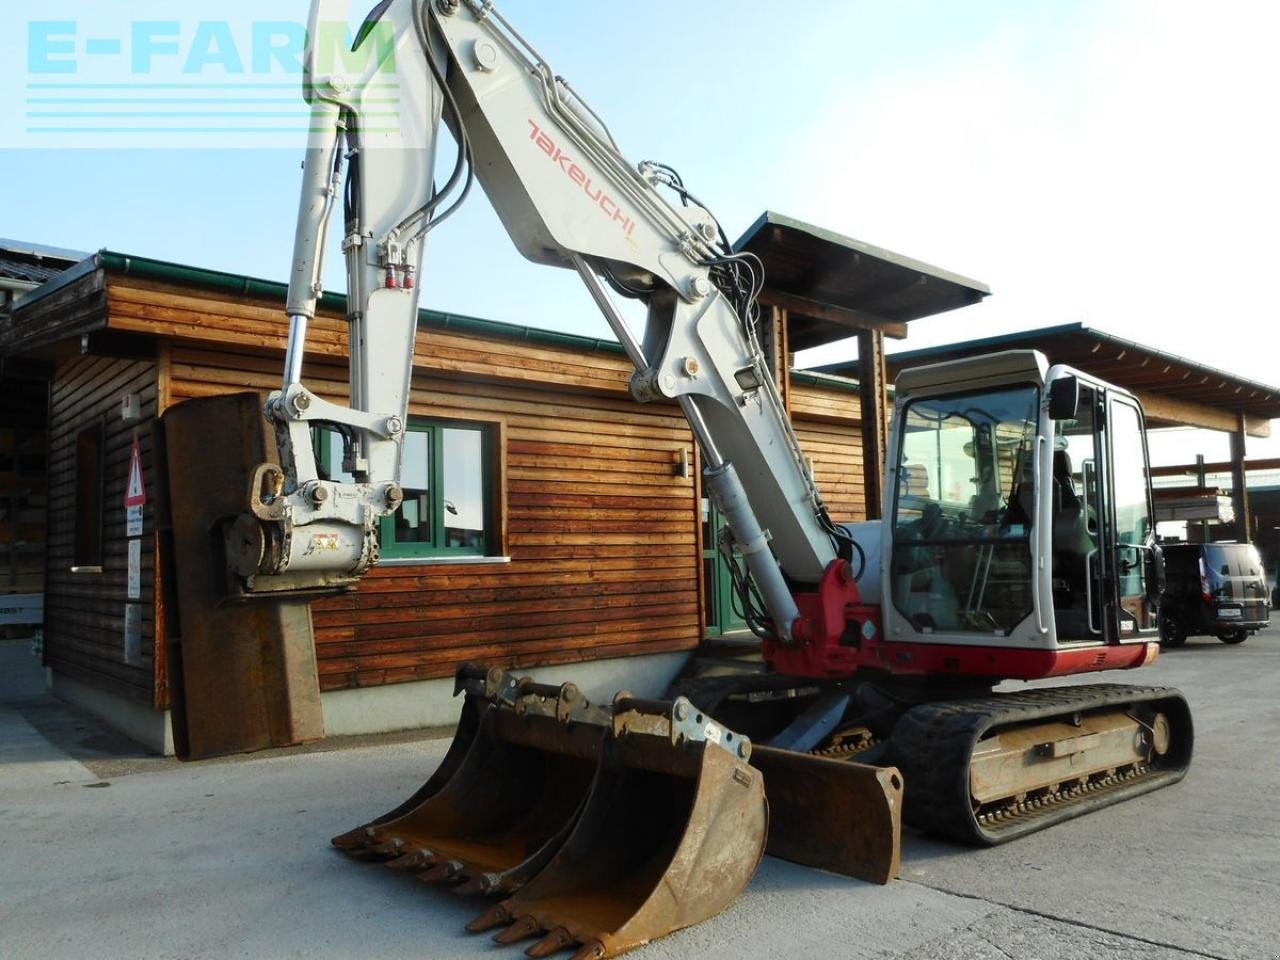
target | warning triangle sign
[{"x": 135, "y": 492}]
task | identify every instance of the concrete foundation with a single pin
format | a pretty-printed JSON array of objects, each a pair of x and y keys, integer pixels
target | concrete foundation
[
  {"x": 135, "y": 720},
  {"x": 400, "y": 706},
  {"x": 430, "y": 703}
]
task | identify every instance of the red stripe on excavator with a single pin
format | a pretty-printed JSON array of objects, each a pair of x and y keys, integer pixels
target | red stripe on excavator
[
  {"x": 922, "y": 659},
  {"x": 1011, "y": 663}
]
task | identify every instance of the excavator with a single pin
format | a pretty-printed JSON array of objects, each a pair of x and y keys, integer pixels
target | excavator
[{"x": 1017, "y": 542}]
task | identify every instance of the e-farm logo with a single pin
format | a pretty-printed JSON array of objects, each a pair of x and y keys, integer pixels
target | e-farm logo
[{"x": 97, "y": 81}]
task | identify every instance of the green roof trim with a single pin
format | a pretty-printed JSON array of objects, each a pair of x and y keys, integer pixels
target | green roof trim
[{"x": 828, "y": 381}]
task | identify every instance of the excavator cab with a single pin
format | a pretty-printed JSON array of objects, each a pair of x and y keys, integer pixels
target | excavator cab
[{"x": 1021, "y": 512}]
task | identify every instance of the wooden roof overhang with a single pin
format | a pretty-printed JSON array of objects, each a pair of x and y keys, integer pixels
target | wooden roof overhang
[
  {"x": 834, "y": 287},
  {"x": 1174, "y": 390}
]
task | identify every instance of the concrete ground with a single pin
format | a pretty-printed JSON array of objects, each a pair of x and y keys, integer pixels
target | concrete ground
[{"x": 110, "y": 854}]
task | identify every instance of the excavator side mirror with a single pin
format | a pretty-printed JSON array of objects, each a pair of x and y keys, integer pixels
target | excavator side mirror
[{"x": 1064, "y": 398}]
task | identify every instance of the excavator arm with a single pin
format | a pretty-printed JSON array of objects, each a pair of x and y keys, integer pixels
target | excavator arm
[{"x": 569, "y": 198}]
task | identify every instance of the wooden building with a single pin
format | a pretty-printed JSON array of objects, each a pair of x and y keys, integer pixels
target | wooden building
[{"x": 550, "y": 519}]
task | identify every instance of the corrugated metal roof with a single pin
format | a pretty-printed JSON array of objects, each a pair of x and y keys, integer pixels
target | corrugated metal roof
[
  {"x": 16, "y": 268},
  {"x": 32, "y": 262},
  {"x": 41, "y": 250}
]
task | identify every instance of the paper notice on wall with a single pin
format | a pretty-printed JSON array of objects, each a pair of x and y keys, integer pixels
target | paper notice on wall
[
  {"x": 132, "y": 633},
  {"x": 133, "y": 521},
  {"x": 135, "y": 569}
]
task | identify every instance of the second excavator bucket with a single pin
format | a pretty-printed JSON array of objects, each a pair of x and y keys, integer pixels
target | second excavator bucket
[
  {"x": 834, "y": 815},
  {"x": 510, "y": 791},
  {"x": 671, "y": 832}
]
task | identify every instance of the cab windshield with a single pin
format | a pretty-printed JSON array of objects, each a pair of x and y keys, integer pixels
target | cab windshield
[{"x": 963, "y": 510}]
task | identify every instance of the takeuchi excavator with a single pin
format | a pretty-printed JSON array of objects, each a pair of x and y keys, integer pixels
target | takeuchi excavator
[{"x": 1017, "y": 541}]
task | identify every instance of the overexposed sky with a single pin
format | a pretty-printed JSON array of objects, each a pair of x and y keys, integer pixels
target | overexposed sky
[{"x": 1107, "y": 162}]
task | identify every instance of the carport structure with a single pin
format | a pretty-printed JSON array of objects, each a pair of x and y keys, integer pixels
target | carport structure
[
  {"x": 1174, "y": 391},
  {"x": 821, "y": 287}
]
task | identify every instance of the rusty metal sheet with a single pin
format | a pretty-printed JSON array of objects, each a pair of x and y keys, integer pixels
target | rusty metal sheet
[
  {"x": 248, "y": 671},
  {"x": 833, "y": 814}
]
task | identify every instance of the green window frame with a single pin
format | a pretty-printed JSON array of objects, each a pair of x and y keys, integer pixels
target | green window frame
[{"x": 427, "y": 512}]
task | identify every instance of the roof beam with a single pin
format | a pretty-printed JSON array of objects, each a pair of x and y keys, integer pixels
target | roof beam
[
  {"x": 1161, "y": 407},
  {"x": 855, "y": 320},
  {"x": 1219, "y": 466}
]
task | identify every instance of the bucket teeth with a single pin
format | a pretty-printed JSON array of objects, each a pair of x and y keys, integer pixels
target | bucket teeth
[
  {"x": 481, "y": 884},
  {"x": 557, "y": 939},
  {"x": 387, "y": 848},
  {"x": 495, "y": 916},
  {"x": 442, "y": 872},
  {"x": 414, "y": 860},
  {"x": 351, "y": 840},
  {"x": 590, "y": 951},
  {"x": 522, "y": 929}
]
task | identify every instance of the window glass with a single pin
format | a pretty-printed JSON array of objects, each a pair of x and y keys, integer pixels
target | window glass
[
  {"x": 1233, "y": 559},
  {"x": 965, "y": 502},
  {"x": 413, "y": 522},
  {"x": 1134, "y": 525},
  {"x": 464, "y": 486},
  {"x": 444, "y": 473},
  {"x": 1133, "y": 519}
]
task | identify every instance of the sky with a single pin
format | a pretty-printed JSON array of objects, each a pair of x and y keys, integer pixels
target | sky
[{"x": 1106, "y": 162}]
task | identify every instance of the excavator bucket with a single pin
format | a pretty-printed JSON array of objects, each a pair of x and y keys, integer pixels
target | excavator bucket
[
  {"x": 506, "y": 795},
  {"x": 833, "y": 815},
  {"x": 671, "y": 832},
  {"x": 470, "y": 681}
]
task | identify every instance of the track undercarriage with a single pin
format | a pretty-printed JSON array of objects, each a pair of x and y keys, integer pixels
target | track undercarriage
[{"x": 979, "y": 767}]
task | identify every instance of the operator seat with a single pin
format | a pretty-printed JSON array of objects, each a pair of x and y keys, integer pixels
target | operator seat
[
  {"x": 1072, "y": 544},
  {"x": 1070, "y": 513}
]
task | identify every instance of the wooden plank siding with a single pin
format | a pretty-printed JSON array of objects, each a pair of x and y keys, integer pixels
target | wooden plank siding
[
  {"x": 833, "y": 451},
  {"x": 599, "y": 528},
  {"x": 601, "y": 532},
  {"x": 84, "y": 612}
]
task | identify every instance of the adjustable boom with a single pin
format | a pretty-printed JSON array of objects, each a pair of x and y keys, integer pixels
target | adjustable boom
[{"x": 568, "y": 198}]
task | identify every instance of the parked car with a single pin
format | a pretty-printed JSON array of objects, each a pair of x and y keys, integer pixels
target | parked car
[{"x": 1212, "y": 589}]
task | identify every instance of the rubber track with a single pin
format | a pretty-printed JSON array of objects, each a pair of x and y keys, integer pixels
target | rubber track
[{"x": 932, "y": 745}]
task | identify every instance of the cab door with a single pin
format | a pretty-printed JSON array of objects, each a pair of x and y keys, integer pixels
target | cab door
[
  {"x": 1132, "y": 580},
  {"x": 1077, "y": 507}
]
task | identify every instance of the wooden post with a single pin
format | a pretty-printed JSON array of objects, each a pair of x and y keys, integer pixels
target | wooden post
[
  {"x": 874, "y": 401},
  {"x": 773, "y": 332},
  {"x": 1240, "y": 483}
]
